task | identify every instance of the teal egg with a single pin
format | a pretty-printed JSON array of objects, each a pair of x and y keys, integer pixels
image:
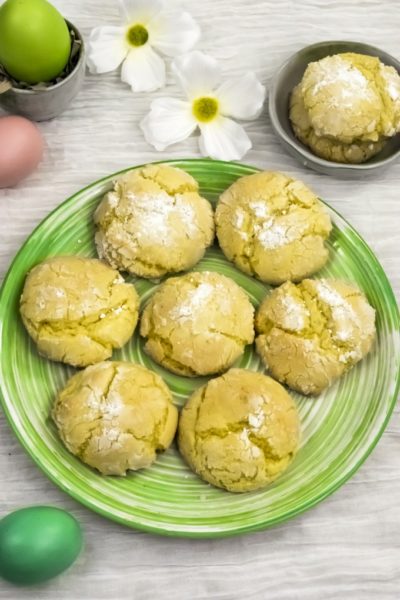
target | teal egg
[{"x": 37, "y": 543}]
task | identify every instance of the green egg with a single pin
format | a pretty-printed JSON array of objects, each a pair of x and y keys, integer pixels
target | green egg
[
  {"x": 37, "y": 543},
  {"x": 35, "y": 43}
]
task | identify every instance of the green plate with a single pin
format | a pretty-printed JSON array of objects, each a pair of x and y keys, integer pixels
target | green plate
[{"x": 340, "y": 427}]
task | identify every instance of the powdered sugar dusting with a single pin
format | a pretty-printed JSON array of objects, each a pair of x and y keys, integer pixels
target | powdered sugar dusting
[
  {"x": 295, "y": 313},
  {"x": 259, "y": 208},
  {"x": 239, "y": 218},
  {"x": 118, "y": 280},
  {"x": 238, "y": 222},
  {"x": 342, "y": 312},
  {"x": 272, "y": 234},
  {"x": 193, "y": 300},
  {"x": 248, "y": 445},
  {"x": 108, "y": 437},
  {"x": 112, "y": 199},
  {"x": 157, "y": 215},
  {"x": 108, "y": 408},
  {"x": 310, "y": 346},
  {"x": 204, "y": 298},
  {"x": 256, "y": 419},
  {"x": 351, "y": 355},
  {"x": 392, "y": 79},
  {"x": 394, "y": 92},
  {"x": 329, "y": 295},
  {"x": 350, "y": 83},
  {"x": 112, "y": 407}
]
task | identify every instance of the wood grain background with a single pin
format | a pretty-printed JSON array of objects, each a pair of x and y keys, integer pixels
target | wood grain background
[{"x": 347, "y": 547}]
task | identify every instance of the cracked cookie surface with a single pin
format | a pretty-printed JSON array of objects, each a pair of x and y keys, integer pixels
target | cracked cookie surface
[
  {"x": 240, "y": 431},
  {"x": 311, "y": 333},
  {"x": 115, "y": 416},
  {"x": 78, "y": 310},
  {"x": 328, "y": 148},
  {"x": 154, "y": 222},
  {"x": 346, "y": 107},
  {"x": 197, "y": 324},
  {"x": 349, "y": 97},
  {"x": 273, "y": 227}
]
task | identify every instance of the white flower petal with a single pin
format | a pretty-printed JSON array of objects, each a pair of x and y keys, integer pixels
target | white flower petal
[
  {"x": 224, "y": 139},
  {"x": 173, "y": 33},
  {"x": 106, "y": 48},
  {"x": 143, "y": 69},
  {"x": 241, "y": 98},
  {"x": 197, "y": 73},
  {"x": 139, "y": 11},
  {"x": 168, "y": 122}
]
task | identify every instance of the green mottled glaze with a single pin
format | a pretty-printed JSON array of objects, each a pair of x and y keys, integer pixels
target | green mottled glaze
[{"x": 340, "y": 428}]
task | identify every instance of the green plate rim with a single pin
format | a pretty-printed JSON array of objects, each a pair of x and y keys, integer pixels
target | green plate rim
[{"x": 239, "y": 530}]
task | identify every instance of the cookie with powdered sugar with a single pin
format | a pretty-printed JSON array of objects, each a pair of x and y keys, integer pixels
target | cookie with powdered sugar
[
  {"x": 115, "y": 416},
  {"x": 311, "y": 333},
  {"x": 273, "y": 227},
  {"x": 197, "y": 324},
  {"x": 154, "y": 222},
  {"x": 240, "y": 431},
  {"x": 78, "y": 310}
]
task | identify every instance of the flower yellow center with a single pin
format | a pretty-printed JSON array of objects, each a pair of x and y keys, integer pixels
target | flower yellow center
[
  {"x": 205, "y": 109},
  {"x": 137, "y": 35}
]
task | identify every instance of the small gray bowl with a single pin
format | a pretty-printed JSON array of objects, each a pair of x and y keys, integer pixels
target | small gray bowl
[
  {"x": 47, "y": 103},
  {"x": 288, "y": 76}
]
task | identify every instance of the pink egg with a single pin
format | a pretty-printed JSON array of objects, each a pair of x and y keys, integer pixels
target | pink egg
[{"x": 21, "y": 149}]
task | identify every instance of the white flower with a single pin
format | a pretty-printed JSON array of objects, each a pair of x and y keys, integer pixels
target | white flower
[
  {"x": 147, "y": 25},
  {"x": 208, "y": 107}
]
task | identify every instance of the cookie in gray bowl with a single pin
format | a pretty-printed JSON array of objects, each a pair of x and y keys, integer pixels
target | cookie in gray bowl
[{"x": 286, "y": 79}]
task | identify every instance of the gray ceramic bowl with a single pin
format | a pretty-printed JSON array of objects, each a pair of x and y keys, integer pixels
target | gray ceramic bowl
[
  {"x": 47, "y": 103},
  {"x": 288, "y": 76}
]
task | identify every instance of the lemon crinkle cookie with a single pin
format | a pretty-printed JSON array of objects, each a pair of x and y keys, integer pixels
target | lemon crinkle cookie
[
  {"x": 346, "y": 107},
  {"x": 115, "y": 416},
  {"x": 197, "y": 324},
  {"x": 311, "y": 333},
  {"x": 273, "y": 227},
  {"x": 154, "y": 222},
  {"x": 78, "y": 310},
  {"x": 240, "y": 431}
]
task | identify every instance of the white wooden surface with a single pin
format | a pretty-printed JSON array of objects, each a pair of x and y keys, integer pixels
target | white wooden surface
[{"x": 347, "y": 547}]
